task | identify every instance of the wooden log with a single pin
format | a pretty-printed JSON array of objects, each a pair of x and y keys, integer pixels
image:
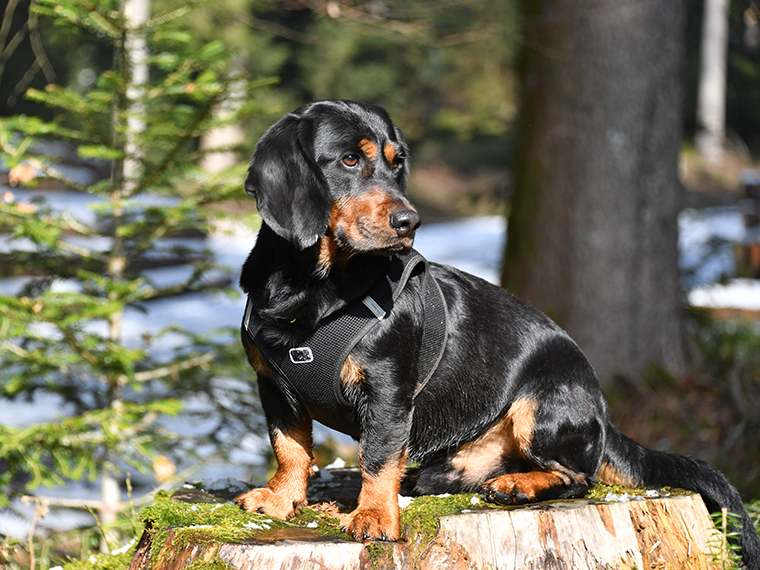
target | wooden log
[{"x": 643, "y": 533}]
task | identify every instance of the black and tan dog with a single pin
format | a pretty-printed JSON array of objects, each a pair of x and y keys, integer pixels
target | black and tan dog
[{"x": 512, "y": 408}]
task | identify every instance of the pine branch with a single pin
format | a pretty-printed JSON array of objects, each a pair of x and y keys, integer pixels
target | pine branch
[
  {"x": 7, "y": 50},
  {"x": 39, "y": 51},
  {"x": 189, "y": 133},
  {"x": 74, "y": 504},
  {"x": 15, "y": 349},
  {"x": 55, "y": 174},
  {"x": 174, "y": 369}
]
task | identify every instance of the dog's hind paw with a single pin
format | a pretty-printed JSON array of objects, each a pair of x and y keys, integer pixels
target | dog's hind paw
[{"x": 522, "y": 488}]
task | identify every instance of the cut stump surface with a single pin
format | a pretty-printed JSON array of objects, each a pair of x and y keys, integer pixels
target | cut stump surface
[{"x": 643, "y": 533}]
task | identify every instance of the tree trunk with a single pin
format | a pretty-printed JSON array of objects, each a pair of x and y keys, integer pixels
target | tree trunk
[
  {"x": 137, "y": 13},
  {"x": 711, "y": 98},
  {"x": 592, "y": 237}
]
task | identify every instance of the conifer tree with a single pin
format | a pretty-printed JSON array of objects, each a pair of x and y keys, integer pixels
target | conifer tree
[{"x": 63, "y": 332}]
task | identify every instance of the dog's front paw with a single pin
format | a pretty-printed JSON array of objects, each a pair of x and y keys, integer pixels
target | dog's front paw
[
  {"x": 266, "y": 501},
  {"x": 371, "y": 524}
]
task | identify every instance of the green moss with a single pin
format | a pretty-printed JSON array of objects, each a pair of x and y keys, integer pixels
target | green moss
[
  {"x": 380, "y": 554},
  {"x": 419, "y": 525},
  {"x": 176, "y": 525},
  {"x": 419, "y": 521},
  {"x": 602, "y": 492},
  {"x": 201, "y": 523},
  {"x": 178, "y": 514},
  {"x": 321, "y": 523}
]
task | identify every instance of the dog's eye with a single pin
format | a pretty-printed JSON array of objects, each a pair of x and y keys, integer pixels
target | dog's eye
[
  {"x": 398, "y": 162},
  {"x": 351, "y": 160}
]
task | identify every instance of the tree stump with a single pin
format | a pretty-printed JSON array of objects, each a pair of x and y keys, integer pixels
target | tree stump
[
  {"x": 672, "y": 532},
  {"x": 638, "y": 532}
]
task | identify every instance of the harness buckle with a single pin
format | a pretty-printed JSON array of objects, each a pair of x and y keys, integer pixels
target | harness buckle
[{"x": 301, "y": 355}]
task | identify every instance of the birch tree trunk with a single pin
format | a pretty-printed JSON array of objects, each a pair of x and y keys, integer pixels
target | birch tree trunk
[
  {"x": 592, "y": 237},
  {"x": 711, "y": 97},
  {"x": 134, "y": 66}
]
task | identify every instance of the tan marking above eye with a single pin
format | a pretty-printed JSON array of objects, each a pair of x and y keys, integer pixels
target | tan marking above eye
[
  {"x": 390, "y": 153},
  {"x": 368, "y": 148}
]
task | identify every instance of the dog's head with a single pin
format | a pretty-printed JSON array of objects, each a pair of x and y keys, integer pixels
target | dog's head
[{"x": 335, "y": 171}]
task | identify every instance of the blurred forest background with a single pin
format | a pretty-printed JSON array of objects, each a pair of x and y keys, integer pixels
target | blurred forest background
[{"x": 460, "y": 78}]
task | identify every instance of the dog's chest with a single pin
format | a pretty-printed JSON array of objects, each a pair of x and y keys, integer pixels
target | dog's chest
[{"x": 312, "y": 368}]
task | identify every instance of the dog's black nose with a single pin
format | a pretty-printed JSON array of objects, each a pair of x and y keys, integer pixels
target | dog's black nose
[{"x": 405, "y": 221}]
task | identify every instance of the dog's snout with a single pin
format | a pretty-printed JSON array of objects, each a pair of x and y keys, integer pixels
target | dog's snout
[{"x": 405, "y": 221}]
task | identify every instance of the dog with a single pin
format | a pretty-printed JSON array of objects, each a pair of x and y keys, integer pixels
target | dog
[{"x": 510, "y": 407}]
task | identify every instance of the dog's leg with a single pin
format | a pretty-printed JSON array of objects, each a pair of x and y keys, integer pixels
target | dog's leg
[
  {"x": 382, "y": 461},
  {"x": 555, "y": 454},
  {"x": 290, "y": 434},
  {"x": 377, "y": 516},
  {"x": 286, "y": 491}
]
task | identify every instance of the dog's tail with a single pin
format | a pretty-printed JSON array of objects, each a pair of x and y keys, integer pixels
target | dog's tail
[{"x": 633, "y": 463}]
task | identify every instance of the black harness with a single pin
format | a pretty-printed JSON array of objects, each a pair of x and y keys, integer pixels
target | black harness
[{"x": 313, "y": 368}]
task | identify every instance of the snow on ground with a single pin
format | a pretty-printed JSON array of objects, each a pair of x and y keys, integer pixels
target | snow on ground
[{"x": 736, "y": 293}]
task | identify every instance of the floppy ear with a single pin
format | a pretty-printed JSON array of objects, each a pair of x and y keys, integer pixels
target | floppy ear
[{"x": 291, "y": 194}]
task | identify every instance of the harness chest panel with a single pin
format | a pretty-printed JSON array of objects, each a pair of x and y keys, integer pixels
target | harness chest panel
[{"x": 312, "y": 369}]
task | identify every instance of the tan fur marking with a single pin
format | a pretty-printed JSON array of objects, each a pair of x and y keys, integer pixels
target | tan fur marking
[
  {"x": 368, "y": 148},
  {"x": 377, "y": 515},
  {"x": 352, "y": 372},
  {"x": 365, "y": 221},
  {"x": 522, "y": 413},
  {"x": 611, "y": 476},
  {"x": 328, "y": 253},
  {"x": 286, "y": 491},
  {"x": 257, "y": 361},
  {"x": 293, "y": 453},
  {"x": 477, "y": 459},
  {"x": 389, "y": 151},
  {"x": 509, "y": 437}
]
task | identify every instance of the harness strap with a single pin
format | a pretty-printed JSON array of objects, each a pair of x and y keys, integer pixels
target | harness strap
[{"x": 313, "y": 369}]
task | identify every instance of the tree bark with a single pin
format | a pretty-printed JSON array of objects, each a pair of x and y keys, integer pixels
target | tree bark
[{"x": 592, "y": 236}]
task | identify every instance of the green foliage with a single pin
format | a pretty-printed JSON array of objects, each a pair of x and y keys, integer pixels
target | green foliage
[
  {"x": 729, "y": 351},
  {"x": 102, "y": 562},
  {"x": 725, "y": 549},
  {"x": 62, "y": 333},
  {"x": 437, "y": 68},
  {"x": 68, "y": 450},
  {"x": 728, "y": 345}
]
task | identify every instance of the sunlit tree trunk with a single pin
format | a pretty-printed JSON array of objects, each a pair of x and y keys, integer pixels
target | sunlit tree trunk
[
  {"x": 132, "y": 61},
  {"x": 136, "y": 13},
  {"x": 711, "y": 98},
  {"x": 592, "y": 232},
  {"x": 227, "y": 135}
]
